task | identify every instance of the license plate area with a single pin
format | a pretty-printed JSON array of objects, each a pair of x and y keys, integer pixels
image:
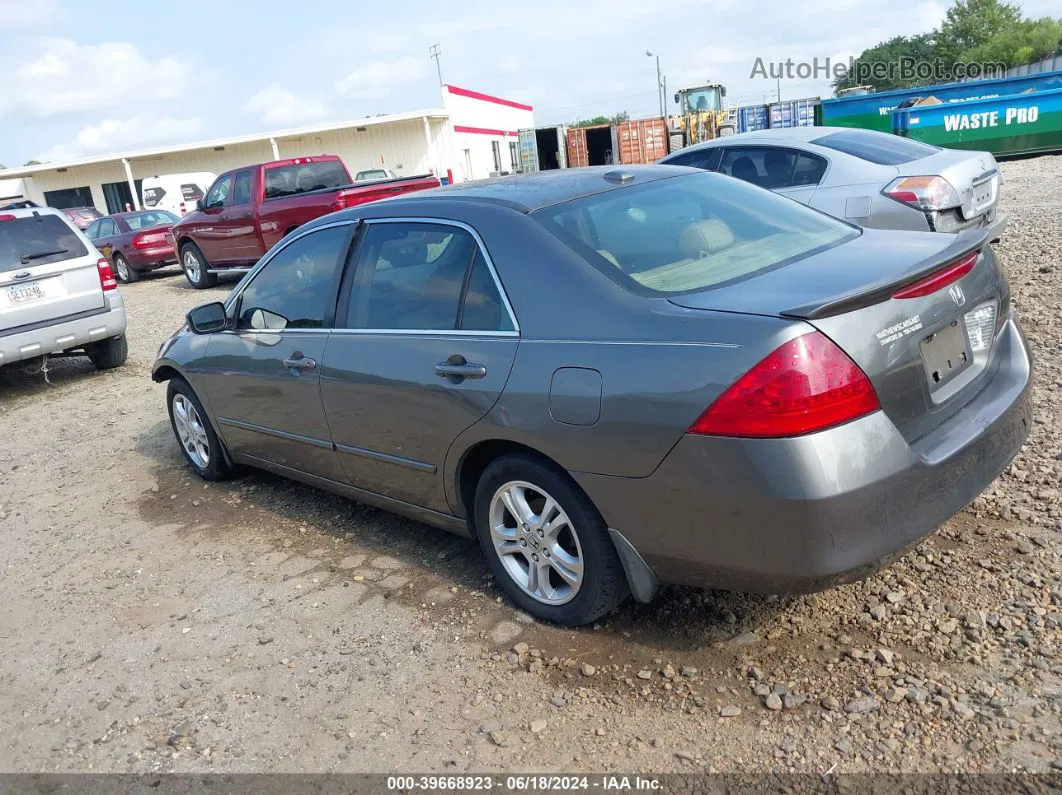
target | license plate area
[
  {"x": 25, "y": 293},
  {"x": 945, "y": 355},
  {"x": 984, "y": 196}
]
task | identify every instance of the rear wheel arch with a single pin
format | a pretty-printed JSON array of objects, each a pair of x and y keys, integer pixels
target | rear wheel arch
[{"x": 479, "y": 456}]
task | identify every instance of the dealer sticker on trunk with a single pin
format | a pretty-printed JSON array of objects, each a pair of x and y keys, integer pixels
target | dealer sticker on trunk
[{"x": 889, "y": 335}]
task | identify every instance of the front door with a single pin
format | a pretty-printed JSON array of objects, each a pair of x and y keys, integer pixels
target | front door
[
  {"x": 208, "y": 232},
  {"x": 423, "y": 347},
  {"x": 234, "y": 227},
  {"x": 263, "y": 377},
  {"x": 103, "y": 234}
]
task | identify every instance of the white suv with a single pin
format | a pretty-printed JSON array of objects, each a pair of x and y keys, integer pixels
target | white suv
[{"x": 58, "y": 296}]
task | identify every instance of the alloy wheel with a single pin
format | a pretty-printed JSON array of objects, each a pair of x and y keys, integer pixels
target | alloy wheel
[
  {"x": 191, "y": 266},
  {"x": 536, "y": 542},
  {"x": 190, "y": 431}
]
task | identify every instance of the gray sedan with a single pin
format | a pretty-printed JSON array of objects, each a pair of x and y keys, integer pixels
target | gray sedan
[
  {"x": 618, "y": 378},
  {"x": 867, "y": 177}
]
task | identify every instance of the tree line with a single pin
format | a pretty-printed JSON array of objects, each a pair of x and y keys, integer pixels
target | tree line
[{"x": 973, "y": 31}]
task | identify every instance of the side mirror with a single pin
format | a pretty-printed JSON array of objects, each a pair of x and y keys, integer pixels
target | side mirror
[
  {"x": 199, "y": 205},
  {"x": 208, "y": 318},
  {"x": 676, "y": 99},
  {"x": 722, "y": 90}
]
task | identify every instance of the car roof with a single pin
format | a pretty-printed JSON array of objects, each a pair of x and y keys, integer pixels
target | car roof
[
  {"x": 29, "y": 212},
  {"x": 530, "y": 192}
]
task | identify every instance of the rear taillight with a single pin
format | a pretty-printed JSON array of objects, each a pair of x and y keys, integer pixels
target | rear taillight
[
  {"x": 806, "y": 385},
  {"x": 149, "y": 239},
  {"x": 7, "y": 218},
  {"x": 940, "y": 279},
  {"x": 107, "y": 280},
  {"x": 925, "y": 193}
]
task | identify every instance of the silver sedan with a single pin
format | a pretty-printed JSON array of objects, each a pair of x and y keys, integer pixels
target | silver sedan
[{"x": 866, "y": 177}]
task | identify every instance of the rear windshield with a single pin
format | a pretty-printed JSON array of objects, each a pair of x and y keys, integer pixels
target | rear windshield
[
  {"x": 690, "y": 233},
  {"x": 290, "y": 180},
  {"x": 150, "y": 218},
  {"x": 876, "y": 147},
  {"x": 37, "y": 240},
  {"x": 378, "y": 173}
]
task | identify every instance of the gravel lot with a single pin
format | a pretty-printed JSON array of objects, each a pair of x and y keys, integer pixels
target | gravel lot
[{"x": 150, "y": 622}]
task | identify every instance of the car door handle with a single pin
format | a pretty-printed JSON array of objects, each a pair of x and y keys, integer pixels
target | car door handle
[
  {"x": 300, "y": 362},
  {"x": 457, "y": 367}
]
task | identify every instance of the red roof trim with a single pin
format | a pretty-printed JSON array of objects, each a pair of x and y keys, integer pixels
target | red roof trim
[
  {"x": 483, "y": 130},
  {"x": 464, "y": 92}
]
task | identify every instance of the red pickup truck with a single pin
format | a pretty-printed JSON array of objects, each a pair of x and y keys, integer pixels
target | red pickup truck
[{"x": 247, "y": 210}]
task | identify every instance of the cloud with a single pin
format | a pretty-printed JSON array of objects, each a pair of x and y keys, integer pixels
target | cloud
[
  {"x": 379, "y": 77},
  {"x": 112, "y": 135},
  {"x": 65, "y": 77},
  {"x": 274, "y": 104},
  {"x": 14, "y": 13}
]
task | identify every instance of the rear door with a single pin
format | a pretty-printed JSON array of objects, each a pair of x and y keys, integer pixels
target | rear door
[
  {"x": 105, "y": 236},
  {"x": 423, "y": 347},
  {"x": 47, "y": 271},
  {"x": 263, "y": 376}
]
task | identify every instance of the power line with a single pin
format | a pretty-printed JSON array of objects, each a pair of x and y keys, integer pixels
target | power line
[{"x": 598, "y": 101}]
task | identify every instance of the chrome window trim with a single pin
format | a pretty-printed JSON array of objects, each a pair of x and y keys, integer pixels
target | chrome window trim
[
  {"x": 402, "y": 332},
  {"x": 490, "y": 266}
]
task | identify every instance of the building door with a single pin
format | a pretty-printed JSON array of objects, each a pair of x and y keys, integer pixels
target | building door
[
  {"x": 68, "y": 197},
  {"x": 118, "y": 195}
]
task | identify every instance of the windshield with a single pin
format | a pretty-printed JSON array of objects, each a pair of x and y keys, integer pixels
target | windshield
[
  {"x": 146, "y": 220},
  {"x": 38, "y": 240},
  {"x": 705, "y": 99},
  {"x": 876, "y": 147},
  {"x": 690, "y": 233},
  {"x": 302, "y": 177}
]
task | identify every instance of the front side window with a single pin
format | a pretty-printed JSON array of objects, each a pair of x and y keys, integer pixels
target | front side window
[
  {"x": 691, "y": 232},
  {"x": 93, "y": 230},
  {"x": 219, "y": 194},
  {"x": 294, "y": 289},
  {"x": 424, "y": 277},
  {"x": 707, "y": 158}
]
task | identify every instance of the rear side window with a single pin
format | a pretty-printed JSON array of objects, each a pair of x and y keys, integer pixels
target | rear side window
[
  {"x": 690, "y": 233},
  {"x": 303, "y": 177},
  {"x": 773, "y": 167},
  {"x": 241, "y": 191},
  {"x": 37, "y": 240},
  {"x": 876, "y": 147},
  {"x": 424, "y": 277}
]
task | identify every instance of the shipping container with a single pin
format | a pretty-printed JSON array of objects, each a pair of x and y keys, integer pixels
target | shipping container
[
  {"x": 592, "y": 146},
  {"x": 751, "y": 118},
  {"x": 793, "y": 112},
  {"x": 1012, "y": 125},
  {"x": 642, "y": 141},
  {"x": 543, "y": 149},
  {"x": 874, "y": 111}
]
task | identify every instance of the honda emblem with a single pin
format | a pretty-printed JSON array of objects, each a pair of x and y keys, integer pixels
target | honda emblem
[{"x": 957, "y": 295}]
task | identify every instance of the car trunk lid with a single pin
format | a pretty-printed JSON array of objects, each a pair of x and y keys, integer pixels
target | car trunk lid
[
  {"x": 46, "y": 271},
  {"x": 928, "y": 354},
  {"x": 973, "y": 175}
]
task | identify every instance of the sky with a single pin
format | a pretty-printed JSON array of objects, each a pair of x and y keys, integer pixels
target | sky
[{"x": 112, "y": 75}]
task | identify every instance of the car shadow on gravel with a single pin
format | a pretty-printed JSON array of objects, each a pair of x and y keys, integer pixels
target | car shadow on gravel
[{"x": 435, "y": 562}]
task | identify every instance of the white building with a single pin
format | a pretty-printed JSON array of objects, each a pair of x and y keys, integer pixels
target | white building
[{"x": 472, "y": 136}]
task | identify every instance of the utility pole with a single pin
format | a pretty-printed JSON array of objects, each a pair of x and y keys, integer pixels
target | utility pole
[
  {"x": 434, "y": 52},
  {"x": 659, "y": 82},
  {"x": 779, "y": 89}
]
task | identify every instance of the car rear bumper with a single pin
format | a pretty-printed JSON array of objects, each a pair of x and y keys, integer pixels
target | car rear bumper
[
  {"x": 148, "y": 258},
  {"x": 802, "y": 514},
  {"x": 64, "y": 333}
]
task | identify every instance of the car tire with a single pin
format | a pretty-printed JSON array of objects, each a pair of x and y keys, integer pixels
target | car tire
[
  {"x": 195, "y": 265},
  {"x": 580, "y": 536},
  {"x": 108, "y": 354},
  {"x": 124, "y": 272},
  {"x": 195, "y": 436}
]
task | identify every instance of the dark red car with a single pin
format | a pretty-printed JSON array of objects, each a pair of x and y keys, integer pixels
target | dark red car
[
  {"x": 135, "y": 242},
  {"x": 82, "y": 217}
]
